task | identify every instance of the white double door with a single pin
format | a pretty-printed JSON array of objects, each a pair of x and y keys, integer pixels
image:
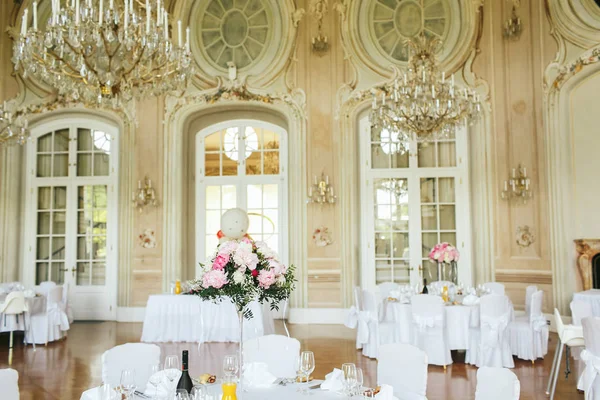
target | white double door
[{"x": 405, "y": 216}]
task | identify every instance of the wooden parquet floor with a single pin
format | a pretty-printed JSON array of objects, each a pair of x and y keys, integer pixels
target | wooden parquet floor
[{"x": 63, "y": 370}]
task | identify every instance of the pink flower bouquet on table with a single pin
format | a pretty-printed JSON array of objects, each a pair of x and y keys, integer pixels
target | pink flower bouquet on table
[
  {"x": 244, "y": 270},
  {"x": 445, "y": 254}
]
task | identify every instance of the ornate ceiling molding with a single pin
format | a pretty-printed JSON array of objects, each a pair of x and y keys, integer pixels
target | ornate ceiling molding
[{"x": 575, "y": 21}]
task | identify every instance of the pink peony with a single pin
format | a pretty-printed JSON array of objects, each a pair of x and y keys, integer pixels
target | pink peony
[
  {"x": 220, "y": 261},
  {"x": 215, "y": 278},
  {"x": 244, "y": 258},
  {"x": 228, "y": 247},
  {"x": 266, "y": 278},
  {"x": 277, "y": 267}
]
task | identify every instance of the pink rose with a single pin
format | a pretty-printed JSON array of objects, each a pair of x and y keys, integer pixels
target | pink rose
[
  {"x": 214, "y": 278},
  {"x": 220, "y": 261},
  {"x": 266, "y": 278}
]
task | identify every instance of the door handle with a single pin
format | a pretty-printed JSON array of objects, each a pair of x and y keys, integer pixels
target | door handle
[{"x": 73, "y": 270}]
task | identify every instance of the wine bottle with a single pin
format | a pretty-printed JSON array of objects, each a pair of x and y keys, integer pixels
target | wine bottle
[
  {"x": 425, "y": 291},
  {"x": 185, "y": 382}
]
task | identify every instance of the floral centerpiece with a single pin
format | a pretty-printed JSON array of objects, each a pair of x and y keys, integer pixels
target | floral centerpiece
[
  {"x": 244, "y": 270},
  {"x": 445, "y": 254}
]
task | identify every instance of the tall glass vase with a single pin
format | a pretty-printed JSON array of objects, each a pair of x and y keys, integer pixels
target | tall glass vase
[{"x": 241, "y": 353}]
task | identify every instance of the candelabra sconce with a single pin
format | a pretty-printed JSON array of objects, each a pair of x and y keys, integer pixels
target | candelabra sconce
[
  {"x": 14, "y": 126},
  {"x": 321, "y": 191},
  {"x": 518, "y": 186},
  {"x": 318, "y": 9},
  {"x": 513, "y": 26},
  {"x": 144, "y": 195}
]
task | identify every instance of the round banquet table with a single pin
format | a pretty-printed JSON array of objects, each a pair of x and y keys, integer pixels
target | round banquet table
[
  {"x": 37, "y": 307},
  {"x": 187, "y": 318},
  {"x": 592, "y": 297},
  {"x": 459, "y": 319}
]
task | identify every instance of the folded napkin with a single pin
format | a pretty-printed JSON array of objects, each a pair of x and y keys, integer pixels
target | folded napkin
[
  {"x": 470, "y": 300},
  {"x": 333, "y": 381},
  {"x": 29, "y": 293},
  {"x": 257, "y": 375},
  {"x": 165, "y": 387},
  {"x": 386, "y": 392}
]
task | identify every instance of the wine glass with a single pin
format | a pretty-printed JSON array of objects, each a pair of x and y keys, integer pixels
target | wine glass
[
  {"x": 127, "y": 382},
  {"x": 349, "y": 377},
  {"x": 155, "y": 378},
  {"x": 230, "y": 367},
  {"x": 198, "y": 393},
  {"x": 359, "y": 380},
  {"x": 172, "y": 367},
  {"x": 307, "y": 364},
  {"x": 182, "y": 394}
]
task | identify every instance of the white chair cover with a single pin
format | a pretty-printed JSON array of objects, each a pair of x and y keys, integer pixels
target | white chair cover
[
  {"x": 589, "y": 381},
  {"x": 358, "y": 319},
  {"x": 58, "y": 321},
  {"x": 495, "y": 287},
  {"x": 377, "y": 333},
  {"x": 529, "y": 337},
  {"x": 429, "y": 328},
  {"x": 135, "y": 356},
  {"x": 386, "y": 287},
  {"x": 494, "y": 344},
  {"x": 45, "y": 287},
  {"x": 66, "y": 304},
  {"x": 403, "y": 367},
  {"x": 277, "y": 351},
  {"x": 529, "y": 291},
  {"x": 580, "y": 310},
  {"x": 9, "y": 384},
  {"x": 497, "y": 384}
]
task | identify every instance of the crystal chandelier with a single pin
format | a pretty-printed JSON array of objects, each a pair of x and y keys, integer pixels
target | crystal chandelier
[
  {"x": 104, "y": 54},
  {"x": 13, "y": 127},
  {"x": 421, "y": 105}
]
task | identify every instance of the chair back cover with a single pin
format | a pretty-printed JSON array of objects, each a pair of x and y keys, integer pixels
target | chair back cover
[
  {"x": 46, "y": 286},
  {"x": 369, "y": 302},
  {"x": 9, "y": 384},
  {"x": 386, "y": 287},
  {"x": 404, "y": 367},
  {"x": 358, "y": 298},
  {"x": 495, "y": 338},
  {"x": 497, "y": 384},
  {"x": 135, "y": 356},
  {"x": 427, "y": 311},
  {"x": 495, "y": 287},
  {"x": 580, "y": 310},
  {"x": 57, "y": 315},
  {"x": 279, "y": 352},
  {"x": 55, "y": 295},
  {"x": 529, "y": 291},
  {"x": 536, "y": 317},
  {"x": 14, "y": 304},
  {"x": 590, "y": 379}
]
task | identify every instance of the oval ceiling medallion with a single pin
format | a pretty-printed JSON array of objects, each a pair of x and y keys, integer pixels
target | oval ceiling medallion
[
  {"x": 392, "y": 22},
  {"x": 235, "y": 30}
]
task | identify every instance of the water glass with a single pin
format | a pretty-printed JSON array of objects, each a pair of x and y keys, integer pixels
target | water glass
[
  {"x": 155, "y": 378},
  {"x": 349, "y": 377},
  {"x": 127, "y": 382},
  {"x": 198, "y": 393},
  {"x": 182, "y": 394},
  {"x": 307, "y": 365},
  {"x": 359, "y": 381},
  {"x": 230, "y": 367},
  {"x": 105, "y": 392},
  {"x": 172, "y": 367}
]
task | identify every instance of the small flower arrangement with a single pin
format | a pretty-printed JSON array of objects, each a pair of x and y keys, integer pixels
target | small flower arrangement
[
  {"x": 244, "y": 270},
  {"x": 444, "y": 253}
]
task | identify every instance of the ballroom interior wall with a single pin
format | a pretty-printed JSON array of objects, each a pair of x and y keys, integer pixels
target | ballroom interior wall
[{"x": 513, "y": 77}]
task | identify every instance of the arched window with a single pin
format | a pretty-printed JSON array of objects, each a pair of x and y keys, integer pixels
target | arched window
[
  {"x": 71, "y": 212},
  {"x": 413, "y": 196},
  {"x": 241, "y": 164}
]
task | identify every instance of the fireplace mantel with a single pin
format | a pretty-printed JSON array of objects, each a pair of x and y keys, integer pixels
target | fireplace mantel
[{"x": 586, "y": 250}]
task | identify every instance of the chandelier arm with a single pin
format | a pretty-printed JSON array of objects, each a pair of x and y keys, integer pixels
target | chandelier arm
[
  {"x": 85, "y": 60},
  {"x": 58, "y": 58},
  {"x": 136, "y": 63}
]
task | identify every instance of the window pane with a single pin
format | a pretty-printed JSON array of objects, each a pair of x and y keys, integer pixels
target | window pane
[
  {"x": 60, "y": 198},
  {"x": 378, "y": 158},
  {"x": 41, "y": 273},
  {"x": 61, "y": 165},
  {"x": 447, "y": 154},
  {"x": 84, "y": 224},
  {"x": 101, "y": 164},
  {"x": 84, "y": 251},
  {"x": 270, "y": 140},
  {"x": 401, "y": 247},
  {"x": 213, "y": 221},
  {"x": 213, "y": 197},
  {"x": 44, "y": 198},
  {"x": 229, "y": 193},
  {"x": 400, "y": 160},
  {"x": 229, "y": 166},
  {"x": 84, "y": 165},
  {"x": 429, "y": 218},
  {"x": 271, "y": 163},
  {"x": 212, "y": 142},
  {"x": 85, "y": 196},
  {"x": 270, "y": 196},
  {"x": 43, "y": 248},
  {"x": 45, "y": 143},
  {"x": 255, "y": 196},
  {"x": 44, "y": 166},
  {"x": 43, "y": 227},
  {"x": 447, "y": 218},
  {"x": 58, "y": 223},
  {"x": 99, "y": 243},
  {"x": 401, "y": 271},
  {"x": 98, "y": 274},
  {"x": 383, "y": 271},
  {"x": 56, "y": 275},
  {"x": 428, "y": 190},
  {"x": 100, "y": 196},
  {"x": 58, "y": 247},
  {"x": 83, "y": 274},
  {"x": 448, "y": 237},
  {"x": 447, "y": 190},
  {"x": 426, "y": 155},
  {"x": 84, "y": 140},
  {"x": 272, "y": 241},
  {"x": 429, "y": 240},
  {"x": 382, "y": 245},
  {"x": 212, "y": 164},
  {"x": 400, "y": 218},
  {"x": 253, "y": 164},
  {"x": 271, "y": 222},
  {"x": 61, "y": 141},
  {"x": 256, "y": 220}
]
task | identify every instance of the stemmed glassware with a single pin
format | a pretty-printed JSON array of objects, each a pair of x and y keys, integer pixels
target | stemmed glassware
[
  {"x": 155, "y": 378},
  {"x": 307, "y": 366},
  {"x": 172, "y": 368},
  {"x": 359, "y": 381},
  {"x": 349, "y": 378},
  {"x": 198, "y": 393},
  {"x": 230, "y": 367},
  {"x": 127, "y": 382},
  {"x": 182, "y": 394}
]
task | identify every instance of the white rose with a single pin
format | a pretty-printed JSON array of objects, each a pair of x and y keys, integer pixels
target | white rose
[{"x": 239, "y": 277}]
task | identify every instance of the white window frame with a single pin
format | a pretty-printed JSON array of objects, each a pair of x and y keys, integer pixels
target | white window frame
[
  {"x": 72, "y": 182},
  {"x": 414, "y": 174},
  {"x": 241, "y": 181}
]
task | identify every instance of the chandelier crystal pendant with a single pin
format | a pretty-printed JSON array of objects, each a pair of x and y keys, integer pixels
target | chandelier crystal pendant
[
  {"x": 13, "y": 127},
  {"x": 422, "y": 104},
  {"x": 104, "y": 52}
]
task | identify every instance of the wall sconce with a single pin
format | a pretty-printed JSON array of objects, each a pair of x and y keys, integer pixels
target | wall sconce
[
  {"x": 512, "y": 26},
  {"x": 144, "y": 195},
  {"x": 321, "y": 191},
  {"x": 518, "y": 186},
  {"x": 318, "y": 9}
]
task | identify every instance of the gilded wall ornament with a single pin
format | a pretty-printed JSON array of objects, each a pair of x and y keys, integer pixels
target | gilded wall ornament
[
  {"x": 322, "y": 237},
  {"x": 525, "y": 236}
]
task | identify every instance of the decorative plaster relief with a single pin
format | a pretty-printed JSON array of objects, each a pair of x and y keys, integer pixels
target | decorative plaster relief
[
  {"x": 525, "y": 236},
  {"x": 148, "y": 239},
  {"x": 322, "y": 237}
]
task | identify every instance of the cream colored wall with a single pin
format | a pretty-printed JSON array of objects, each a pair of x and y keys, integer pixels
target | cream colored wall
[
  {"x": 585, "y": 134},
  {"x": 512, "y": 71}
]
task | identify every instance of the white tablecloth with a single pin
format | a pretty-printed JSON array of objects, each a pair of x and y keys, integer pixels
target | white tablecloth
[
  {"x": 277, "y": 392},
  {"x": 458, "y": 321},
  {"x": 591, "y": 296},
  {"x": 187, "y": 318}
]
